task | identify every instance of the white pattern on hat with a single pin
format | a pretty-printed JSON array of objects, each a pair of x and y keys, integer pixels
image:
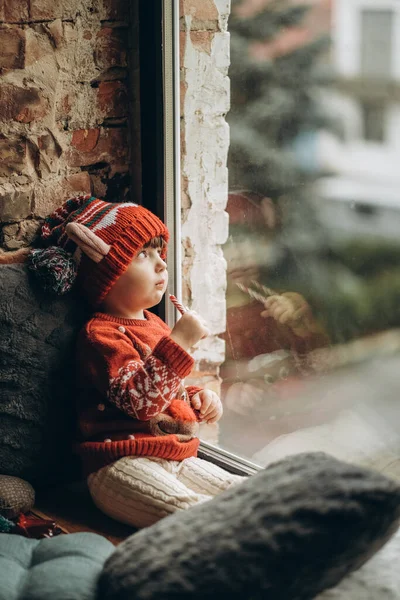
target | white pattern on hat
[{"x": 111, "y": 217}]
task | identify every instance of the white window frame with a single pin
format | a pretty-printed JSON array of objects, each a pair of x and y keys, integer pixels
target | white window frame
[
  {"x": 347, "y": 34},
  {"x": 172, "y": 176}
]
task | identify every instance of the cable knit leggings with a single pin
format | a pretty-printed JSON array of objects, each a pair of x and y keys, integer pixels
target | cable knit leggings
[{"x": 139, "y": 491}]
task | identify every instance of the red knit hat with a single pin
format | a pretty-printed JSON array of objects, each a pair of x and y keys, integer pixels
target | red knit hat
[{"x": 95, "y": 241}]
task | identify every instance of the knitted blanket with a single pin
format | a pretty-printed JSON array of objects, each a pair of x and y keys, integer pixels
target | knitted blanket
[{"x": 37, "y": 335}]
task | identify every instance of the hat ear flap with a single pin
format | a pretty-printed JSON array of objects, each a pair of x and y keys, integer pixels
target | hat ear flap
[{"x": 90, "y": 243}]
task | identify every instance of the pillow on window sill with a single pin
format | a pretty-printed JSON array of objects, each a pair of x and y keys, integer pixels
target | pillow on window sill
[
  {"x": 288, "y": 533},
  {"x": 378, "y": 579},
  {"x": 37, "y": 337},
  {"x": 61, "y": 568}
]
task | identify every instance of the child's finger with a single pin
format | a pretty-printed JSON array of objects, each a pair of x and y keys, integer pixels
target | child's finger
[
  {"x": 300, "y": 312},
  {"x": 202, "y": 323},
  {"x": 205, "y": 406},
  {"x": 215, "y": 415},
  {"x": 270, "y": 306},
  {"x": 285, "y": 316},
  {"x": 211, "y": 421},
  {"x": 196, "y": 402},
  {"x": 206, "y": 402},
  {"x": 269, "y": 302},
  {"x": 212, "y": 414},
  {"x": 195, "y": 314},
  {"x": 277, "y": 312}
]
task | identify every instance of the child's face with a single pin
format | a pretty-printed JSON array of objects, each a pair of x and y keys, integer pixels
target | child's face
[
  {"x": 144, "y": 282},
  {"x": 245, "y": 255}
]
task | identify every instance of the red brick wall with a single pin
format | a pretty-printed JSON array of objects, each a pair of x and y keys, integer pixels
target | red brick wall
[{"x": 63, "y": 108}]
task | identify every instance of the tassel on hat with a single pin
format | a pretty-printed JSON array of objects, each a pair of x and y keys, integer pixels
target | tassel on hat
[{"x": 54, "y": 268}]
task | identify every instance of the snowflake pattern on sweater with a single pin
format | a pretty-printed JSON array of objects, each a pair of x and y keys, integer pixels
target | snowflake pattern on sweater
[
  {"x": 143, "y": 389},
  {"x": 127, "y": 367}
]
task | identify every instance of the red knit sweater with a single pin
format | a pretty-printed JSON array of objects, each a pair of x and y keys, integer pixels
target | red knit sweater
[{"x": 131, "y": 401}]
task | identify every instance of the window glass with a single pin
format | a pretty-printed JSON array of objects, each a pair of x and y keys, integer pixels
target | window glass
[
  {"x": 376, "y": 42},
  {"x": 373, "y": 117},
  {"x": 313, "y": 251}
]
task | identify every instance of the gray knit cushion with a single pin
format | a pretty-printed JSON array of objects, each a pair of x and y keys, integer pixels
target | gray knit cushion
[
  {"x": 378, "y": 579},
  {"x": 16, "y": 496},
  {"x": 37, "y": 336},
  {"x": 287, "y": 533}
]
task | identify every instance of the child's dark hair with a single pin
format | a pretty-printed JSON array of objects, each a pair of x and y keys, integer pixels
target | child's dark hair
[{"x": 156, "y": 242}]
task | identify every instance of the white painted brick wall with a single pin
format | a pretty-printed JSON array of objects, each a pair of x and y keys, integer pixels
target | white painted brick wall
[{"x": 205, "y": 137}]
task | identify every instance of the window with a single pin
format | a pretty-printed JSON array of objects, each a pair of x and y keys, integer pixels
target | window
[
  {"x": 374, "y": 121},
  {"x": 310, "y": 288},
  {"x": 154, "y": 78},
  {"x": 377, "y": 43}
]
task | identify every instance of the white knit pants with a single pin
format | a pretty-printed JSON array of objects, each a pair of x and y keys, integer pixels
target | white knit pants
[{"x": 139, "y": 491}]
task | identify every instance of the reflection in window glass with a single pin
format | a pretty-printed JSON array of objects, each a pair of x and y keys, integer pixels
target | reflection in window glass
[{"x": 313, "y": 253}]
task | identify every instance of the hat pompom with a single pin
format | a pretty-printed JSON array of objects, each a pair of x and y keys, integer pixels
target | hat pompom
[{"x": 55, "y": 269}]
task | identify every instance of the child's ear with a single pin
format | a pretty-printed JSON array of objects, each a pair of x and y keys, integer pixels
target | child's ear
[{"x": 90, "y": 243}]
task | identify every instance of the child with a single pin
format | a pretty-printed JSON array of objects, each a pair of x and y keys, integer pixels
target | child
[{"x": 137, "y": 423}]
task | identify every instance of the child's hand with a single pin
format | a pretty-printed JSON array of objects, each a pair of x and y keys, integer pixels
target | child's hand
[
  {"x": 189, "y": 330},
  {"x": 286, "y": 308},
  {"x": 289, "y": 309},
  {"x": 209, "y": 405}
]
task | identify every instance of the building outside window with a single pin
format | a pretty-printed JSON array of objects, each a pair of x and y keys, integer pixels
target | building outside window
[
  {"x": 376, "y": 62},
  {"x": 374, "y": 117},
  {"x": 376, "y": 52}
]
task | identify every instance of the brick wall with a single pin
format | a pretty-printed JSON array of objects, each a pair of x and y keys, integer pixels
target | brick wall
[
  {"x": 63, "y": 108},
  {"x": 204, "y": 46},
  {"x": 63, "y": 130}
]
